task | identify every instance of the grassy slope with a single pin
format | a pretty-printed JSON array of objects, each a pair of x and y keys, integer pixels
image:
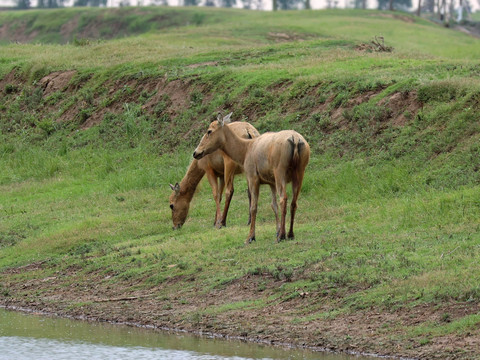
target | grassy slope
[{"x": 388, "y": 216}]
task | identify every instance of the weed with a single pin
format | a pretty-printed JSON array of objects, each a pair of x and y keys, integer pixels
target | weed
[
  {"x": 83, "y": 115},
  {"x": 196, "y": 98},
  {"x": 198, "y": 18},
  {"x": 10, "y": 238},
  {"x": 47, "y": 125},
  {"x": 10, "y": 89},
  {"x": 446, "y": 318},
  {"x": 81, "y": 41}
]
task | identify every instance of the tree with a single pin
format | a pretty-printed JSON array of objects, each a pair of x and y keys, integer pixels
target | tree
[
  {"x": 190, "y": 2},
  {"x": 52, "y": 4},
  {"x": 394, "y": 4},
  {"x": 23, "y": 4},
  {"x": 95, "y": 3},
  {"x": 287, "y": 4},
  {"x": 429, "y": 6},
  {"x": 360, "y": 4},
  {"x": 228, "y": 3},
  {"x": 252, "y": 4}
]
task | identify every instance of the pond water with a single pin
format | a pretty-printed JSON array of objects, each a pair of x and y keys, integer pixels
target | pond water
[{"x": 27, "y": 336}]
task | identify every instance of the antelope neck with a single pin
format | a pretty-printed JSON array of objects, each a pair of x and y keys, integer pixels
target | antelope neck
[{"x": 235, "y": 147}]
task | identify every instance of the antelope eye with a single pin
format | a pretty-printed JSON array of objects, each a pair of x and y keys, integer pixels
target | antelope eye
[
  {"x": 171, "y": 206},
  {"x": 209, "y": 132}
]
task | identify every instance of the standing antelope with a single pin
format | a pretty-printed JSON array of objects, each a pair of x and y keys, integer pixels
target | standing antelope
[
  {"x": 217, "y": 166},
  {"x": 272, "y": 158}
]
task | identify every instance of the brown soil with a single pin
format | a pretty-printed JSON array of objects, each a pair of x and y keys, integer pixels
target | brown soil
[
  {"x": 284, "y": 37},
  {"x": 176, "y": 96},
  {"x": 17, "y": 34},
  {"x": 56, "y": 81},
  {"x": 170, "y": 306},
  {"x": 404, "y": 107},
  {"x": 397, "y": 16}
]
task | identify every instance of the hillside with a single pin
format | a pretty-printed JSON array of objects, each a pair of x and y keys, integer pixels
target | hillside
[{"x": 94, "y": 126}]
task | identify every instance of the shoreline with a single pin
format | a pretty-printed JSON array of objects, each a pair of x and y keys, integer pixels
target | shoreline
[{"x": 199, "y": 333}]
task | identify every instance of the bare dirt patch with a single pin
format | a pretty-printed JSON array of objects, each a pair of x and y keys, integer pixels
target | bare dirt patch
[
  {"x": 404, "y": 107},
  {"x": 206, "y": 63},
  {"x": 401, "y": 17},
  {"x": 17, "y": 33},
  {"x": 175, "y": 93},
  {"x": 285, "y": 37},
  {"x": 10, "y": 80},
  {"x": 56, "y": 81},
  {"x": 68, "y": 28}
]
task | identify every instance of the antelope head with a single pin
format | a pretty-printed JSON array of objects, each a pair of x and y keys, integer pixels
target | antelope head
[
  {"x": 213, "y": 139},
  {"x": 179, "y": 206}
]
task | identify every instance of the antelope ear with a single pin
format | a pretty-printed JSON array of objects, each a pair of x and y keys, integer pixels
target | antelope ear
[
  {"x": 220, "y": 120},
  {"x": 175, "y": 187},
  {"x": 227, "y": 119}
]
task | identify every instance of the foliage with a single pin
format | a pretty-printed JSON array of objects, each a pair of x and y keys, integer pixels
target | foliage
[
  {"x": 90, "y": 3},
  {"x": 397, "y": 4},
  {"x": 23, "y": 4}
]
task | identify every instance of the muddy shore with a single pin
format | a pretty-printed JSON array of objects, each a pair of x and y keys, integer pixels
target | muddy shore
[{"x": 169, "y": 308}]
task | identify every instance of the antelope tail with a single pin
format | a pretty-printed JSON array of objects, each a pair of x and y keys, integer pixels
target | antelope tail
[{"x": 296, "y": 147}]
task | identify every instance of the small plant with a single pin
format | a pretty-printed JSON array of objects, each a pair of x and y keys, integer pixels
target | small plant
[
  {"x": 54, "y": 98},
  {"x": 81, "y": 41},
  {"x": 261, "y": 286},
  {"x": 83, "y": 115},
  {"x": 446, "y": 318},
  {"x": 377, "y": 45},
  {"x": 424, "y": 341},
  {"x": 10, "y": 89},
  {"x": 198, "y": 19},
  {"x": 47, "y": 125},
  {"x": 196, "y": 98},
  {"x": 88, "y": 97},
  {"x": 32, "y": 98}
]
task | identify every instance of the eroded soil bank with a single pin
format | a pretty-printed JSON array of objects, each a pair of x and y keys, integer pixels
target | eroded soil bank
[{"x": 167, "y": 306}]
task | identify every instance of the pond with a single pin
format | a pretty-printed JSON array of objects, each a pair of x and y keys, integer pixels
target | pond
[{"x": 28, "y": 336}]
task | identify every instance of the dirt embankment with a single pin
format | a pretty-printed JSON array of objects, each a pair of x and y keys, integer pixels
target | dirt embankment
[
  {"x": 168, "y": 99},
  {"x": 168, "y": 306}
]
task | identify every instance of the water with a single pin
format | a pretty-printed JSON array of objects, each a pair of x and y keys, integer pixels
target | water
[{"x": 27, "y": 336}]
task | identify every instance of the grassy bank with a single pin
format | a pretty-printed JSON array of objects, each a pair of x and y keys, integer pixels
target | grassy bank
[{"x": 386, "y": 252}]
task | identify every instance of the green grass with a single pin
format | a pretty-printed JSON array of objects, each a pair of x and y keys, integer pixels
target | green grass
[
  {"x": 476, "y": 16},
  {"x": 389, "y": 213}
]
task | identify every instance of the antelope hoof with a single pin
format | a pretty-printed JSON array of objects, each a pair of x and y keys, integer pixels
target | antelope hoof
[
  {"x": 250, "y": 240},
  {"x": 280, "y": 238},
  {"x": 291, "y": 236}
]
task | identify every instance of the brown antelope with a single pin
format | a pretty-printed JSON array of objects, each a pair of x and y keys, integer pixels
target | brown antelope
[
  {"x": 272, "y": 158},
  {"x": 217, "y": 166}
]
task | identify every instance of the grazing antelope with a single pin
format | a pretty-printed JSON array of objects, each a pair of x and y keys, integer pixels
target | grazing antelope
[
  {"x": 217, "y": 166},
  {"x": 273, "y": 158}
]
